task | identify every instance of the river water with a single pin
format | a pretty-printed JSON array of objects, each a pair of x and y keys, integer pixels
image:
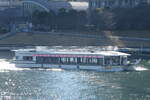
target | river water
[{"x": 57, "y": 84}]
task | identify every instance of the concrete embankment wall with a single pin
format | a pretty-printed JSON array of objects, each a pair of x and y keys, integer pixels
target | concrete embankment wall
[{"x": 13, "y": 47}]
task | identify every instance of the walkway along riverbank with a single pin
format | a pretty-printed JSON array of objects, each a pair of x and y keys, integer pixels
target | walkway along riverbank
[{"x": 77, "y": 39}]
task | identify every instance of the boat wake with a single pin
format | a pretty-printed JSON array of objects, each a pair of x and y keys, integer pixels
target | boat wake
[
  {"x": 6, "y": 66},
  {"x": 140, "y": 68}
]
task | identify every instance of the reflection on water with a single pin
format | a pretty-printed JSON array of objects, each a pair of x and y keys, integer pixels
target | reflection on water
[{"x": 57, "y": 84}]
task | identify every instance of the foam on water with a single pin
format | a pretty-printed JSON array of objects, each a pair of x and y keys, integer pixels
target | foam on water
[
  {"x": 140, "y": 68},
  {"x": 6, "y": 66}
]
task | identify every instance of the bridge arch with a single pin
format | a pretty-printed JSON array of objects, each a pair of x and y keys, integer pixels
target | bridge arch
[{"x": 38, "y": 4}]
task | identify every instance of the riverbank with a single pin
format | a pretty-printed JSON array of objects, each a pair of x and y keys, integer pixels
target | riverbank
[{"x": 131, "y": 39}]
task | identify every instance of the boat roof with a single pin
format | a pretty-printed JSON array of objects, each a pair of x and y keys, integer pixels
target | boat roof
[{"x": 72, "y": 52}]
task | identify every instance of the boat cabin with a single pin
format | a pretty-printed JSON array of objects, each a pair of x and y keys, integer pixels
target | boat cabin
[{"x": 70, "y": 57}]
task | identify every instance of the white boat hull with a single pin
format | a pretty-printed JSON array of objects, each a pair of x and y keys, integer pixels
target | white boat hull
[{"x": 72, "y": 67}]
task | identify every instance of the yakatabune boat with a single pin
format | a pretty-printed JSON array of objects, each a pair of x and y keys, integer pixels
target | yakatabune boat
[{"x": 72, "y": 59}]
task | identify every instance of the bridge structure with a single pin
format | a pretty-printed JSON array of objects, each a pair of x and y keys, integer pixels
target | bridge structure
[
  {"x": 36, "y": 4},
  {"x": 29, "y": 6}
]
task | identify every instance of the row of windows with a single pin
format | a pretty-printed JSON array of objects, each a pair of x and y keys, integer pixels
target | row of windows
[
  {"x": 65, "y": 60},
  {"x": 27, "y": 58},
  {"x": 78, "y": 60},
  {"x": 81, "y": 61}
]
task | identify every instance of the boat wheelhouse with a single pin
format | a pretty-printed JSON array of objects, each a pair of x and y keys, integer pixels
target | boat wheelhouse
[{"x": 71, "y": 59}]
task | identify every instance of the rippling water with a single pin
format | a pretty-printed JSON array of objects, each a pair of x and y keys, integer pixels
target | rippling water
[{"x": 57, "y": 84}]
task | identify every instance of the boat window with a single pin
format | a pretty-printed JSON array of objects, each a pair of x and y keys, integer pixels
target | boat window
[
  {"x": 112, "y": 60},
  {"x": 47, "y": 60},
  {"x": 17, "y": 57},
  {"x": 27, "y": 58}
]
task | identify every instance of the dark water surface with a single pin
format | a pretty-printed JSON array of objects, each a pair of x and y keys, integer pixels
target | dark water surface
[{"x": 56, "y": 84}]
